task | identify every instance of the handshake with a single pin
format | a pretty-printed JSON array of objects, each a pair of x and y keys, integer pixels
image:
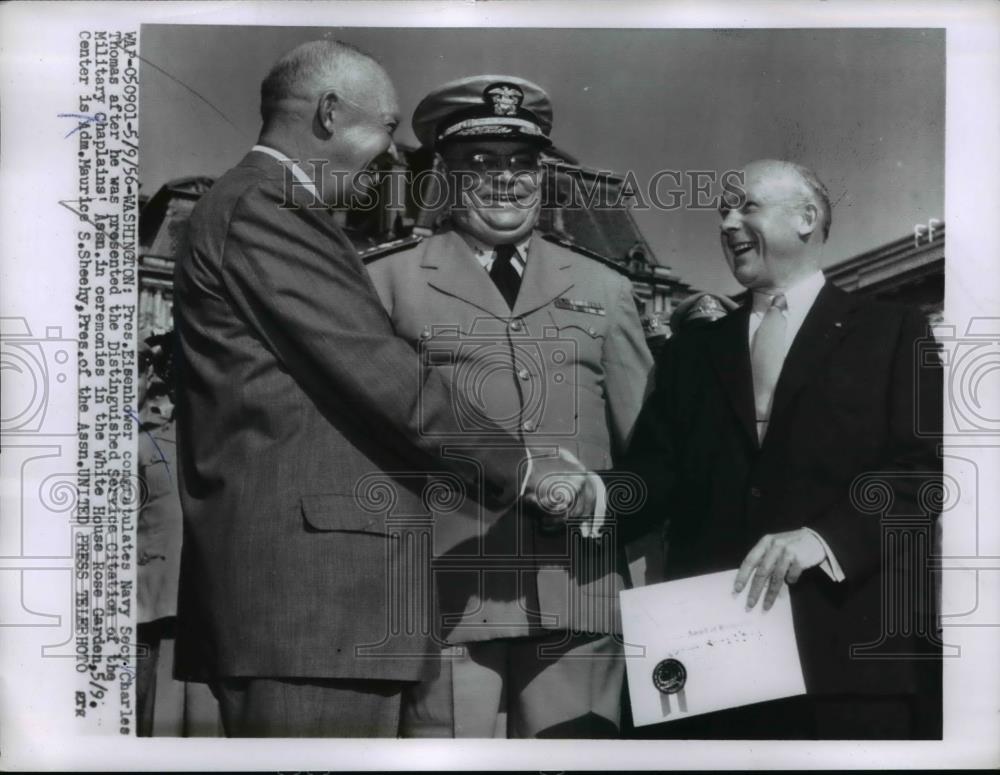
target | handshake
[{"x": 559, "y": 489}]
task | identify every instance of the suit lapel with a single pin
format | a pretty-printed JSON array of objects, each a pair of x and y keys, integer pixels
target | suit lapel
[
  {"x": 731, "y": 359},
  {"x": 544, "y": 277},
  {"x": 458, "y": 274},
  {"x": 824, "y": 326}
]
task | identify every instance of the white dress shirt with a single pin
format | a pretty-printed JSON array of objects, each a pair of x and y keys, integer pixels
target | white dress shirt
[
  {"x": 297, "y": 171},
  {"x": 800, "y": 299},
  {"x": 485, "y": 254}
]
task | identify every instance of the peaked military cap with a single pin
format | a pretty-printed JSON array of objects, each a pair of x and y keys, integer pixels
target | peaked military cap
[{"x": 495, "y": 107}]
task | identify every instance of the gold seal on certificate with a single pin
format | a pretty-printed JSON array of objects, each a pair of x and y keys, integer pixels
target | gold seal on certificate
[
  {"x": 697, "y": 626},
  {"x": 669, "y": 676}
]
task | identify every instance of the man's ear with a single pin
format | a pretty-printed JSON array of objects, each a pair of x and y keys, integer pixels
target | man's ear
[
  {"x": 808, "y": 221},
  {"x": 326, "y": 110}
]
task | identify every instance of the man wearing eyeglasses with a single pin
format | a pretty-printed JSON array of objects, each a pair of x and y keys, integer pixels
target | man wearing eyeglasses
[{"x": 546, "y": 343}]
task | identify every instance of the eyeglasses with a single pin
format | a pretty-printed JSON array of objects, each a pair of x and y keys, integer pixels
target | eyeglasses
[{"x": 483, "y": 162}]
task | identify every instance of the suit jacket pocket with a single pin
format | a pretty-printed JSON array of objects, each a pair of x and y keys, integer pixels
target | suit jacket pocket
[{"x": 340, "y": 512}]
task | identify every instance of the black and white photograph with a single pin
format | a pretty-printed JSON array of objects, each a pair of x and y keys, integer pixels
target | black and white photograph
[
  {"x": 434, "y": 293},
  {"x": 609, "y": 384}
]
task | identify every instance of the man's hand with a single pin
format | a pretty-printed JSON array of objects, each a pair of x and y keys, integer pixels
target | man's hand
[
  {"x": 776, "y": 559},
  {"x": 559, "y": 489}
]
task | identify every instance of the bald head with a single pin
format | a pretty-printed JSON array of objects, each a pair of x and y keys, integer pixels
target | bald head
[
  {"x": 331, "y": 109},
  {"x": 298, "y": 78},
  {"x": 798, "y": 182},
  {"x": 772, "y": 235}
]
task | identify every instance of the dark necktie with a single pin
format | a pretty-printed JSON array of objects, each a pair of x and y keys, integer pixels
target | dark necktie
[{"x": 504, "y": 276}]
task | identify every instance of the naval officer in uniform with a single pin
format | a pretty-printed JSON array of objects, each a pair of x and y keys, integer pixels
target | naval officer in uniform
[{"x": 546, "y": 342}]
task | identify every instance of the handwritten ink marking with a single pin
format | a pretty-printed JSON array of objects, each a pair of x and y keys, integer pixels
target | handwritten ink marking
[
  {"x": 179, "y": 82},
  {"x": 98, "y": 118},
  {"x": 86, "y": 219},
  {"x": 135, "y": 418}
]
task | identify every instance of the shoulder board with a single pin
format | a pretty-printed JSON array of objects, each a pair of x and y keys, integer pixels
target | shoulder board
[
  {"x": 388, "y": 248},
  {"x": 567, "y": 242}
]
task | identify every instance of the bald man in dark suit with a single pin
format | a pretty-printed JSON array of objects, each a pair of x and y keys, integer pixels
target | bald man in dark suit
[
  {"x": 297, "y": 403},
  {"x": 767, "y": 434}
]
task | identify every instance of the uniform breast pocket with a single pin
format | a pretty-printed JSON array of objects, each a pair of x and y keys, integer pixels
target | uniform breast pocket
[
  {"x": 575, "y": 350},
  {"x": 587, "y": 326},
  {"x": 451, "y": 346},
  {"x": 485, "y": 371},
  {"x": 440, "y": 347}
]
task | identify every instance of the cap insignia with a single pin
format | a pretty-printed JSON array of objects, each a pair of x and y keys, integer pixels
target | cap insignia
[{"x": 506, "y": 98}]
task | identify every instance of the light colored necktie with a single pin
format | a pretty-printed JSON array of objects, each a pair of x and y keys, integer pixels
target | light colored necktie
[{"x": 766, "y": 356}]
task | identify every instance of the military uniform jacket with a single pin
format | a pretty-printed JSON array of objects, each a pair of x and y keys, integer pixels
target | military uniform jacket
[{"x": 567, "y": 366}]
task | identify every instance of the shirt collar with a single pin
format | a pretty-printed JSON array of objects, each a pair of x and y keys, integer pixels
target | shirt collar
[
  {"x": 800, "y": 296},
  {"x": 485, "y": 252},
  {"x": 297, "y": 171}
]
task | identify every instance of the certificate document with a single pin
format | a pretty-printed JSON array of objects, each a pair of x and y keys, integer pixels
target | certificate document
[{"x": 694, "y": 648}]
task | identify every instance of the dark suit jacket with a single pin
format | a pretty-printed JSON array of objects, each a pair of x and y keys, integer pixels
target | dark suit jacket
[
  {"x": 842, "y": 455},
  {"x": 295, "y": 397}
]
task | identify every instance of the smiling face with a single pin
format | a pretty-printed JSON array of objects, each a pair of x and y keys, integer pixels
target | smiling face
[
  {"x": 499, "y": 185},
  {"x": 361, "y": 115},
  {"x": 369, "y": 117},
  {"x": 766, "y": 235}
]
